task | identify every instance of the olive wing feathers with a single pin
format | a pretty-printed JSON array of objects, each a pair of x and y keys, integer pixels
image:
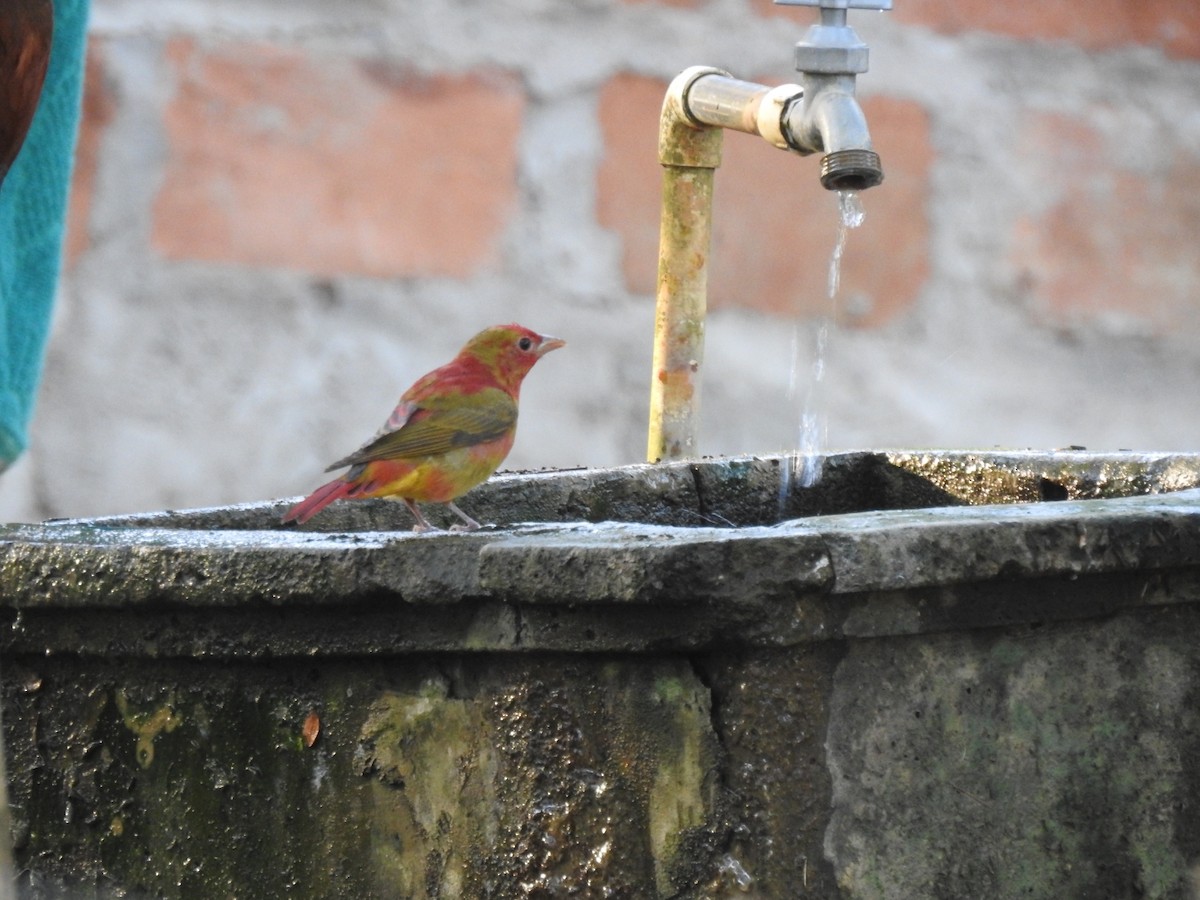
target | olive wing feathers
[{"x": 439, "y": 425}]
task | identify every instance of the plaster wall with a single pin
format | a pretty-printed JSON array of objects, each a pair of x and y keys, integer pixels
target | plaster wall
[{"x": 285, "y": 212}]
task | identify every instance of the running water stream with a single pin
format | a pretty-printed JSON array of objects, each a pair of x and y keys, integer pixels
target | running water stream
[{"x": 804, "y": 465}]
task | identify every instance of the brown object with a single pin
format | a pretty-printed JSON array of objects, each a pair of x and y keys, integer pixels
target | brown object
[
  {"x": 312, "y": 728},
  {"x": 26, "y": 29}
]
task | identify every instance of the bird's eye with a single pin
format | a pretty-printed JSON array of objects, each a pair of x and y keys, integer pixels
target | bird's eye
[{"x": 525, "y": 343}]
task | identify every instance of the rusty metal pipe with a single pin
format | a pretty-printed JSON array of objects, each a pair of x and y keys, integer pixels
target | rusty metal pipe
[
  {"x": 690, "y": 153},
  {"x": 699, "y": 103}
]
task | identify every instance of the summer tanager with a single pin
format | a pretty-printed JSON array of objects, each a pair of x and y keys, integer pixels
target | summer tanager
[{"x": 449, "y": 433}]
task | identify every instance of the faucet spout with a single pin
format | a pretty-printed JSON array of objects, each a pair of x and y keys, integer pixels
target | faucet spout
[{"x": 828, "y": 118}]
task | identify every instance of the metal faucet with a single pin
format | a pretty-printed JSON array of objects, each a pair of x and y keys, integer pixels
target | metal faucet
[
  {"x": 820, "y": 114},
  {"x": 828, "y": 117}
]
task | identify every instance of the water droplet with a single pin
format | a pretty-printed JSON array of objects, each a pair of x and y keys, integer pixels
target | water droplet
[
  {"x": 851, "y": 209},
  {"x": 600, "y": 854},
  {"x": 594, "y": 781},
  {"x": 731, "y": 867}
]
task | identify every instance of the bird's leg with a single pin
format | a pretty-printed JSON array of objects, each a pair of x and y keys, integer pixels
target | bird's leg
[
  {"x": 422, "y": 523},
  {"x": 471, "y": 524}
]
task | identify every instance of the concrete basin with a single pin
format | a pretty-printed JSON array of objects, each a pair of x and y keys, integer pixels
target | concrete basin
[{"x": 933, "y": 674}]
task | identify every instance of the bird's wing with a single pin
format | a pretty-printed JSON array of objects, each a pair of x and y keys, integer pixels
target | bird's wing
[{"x": 441, "y": 424}]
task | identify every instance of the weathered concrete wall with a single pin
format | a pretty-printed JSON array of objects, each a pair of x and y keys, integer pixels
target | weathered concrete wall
[
  {"x": 1038, "y": 762},
  {"x": 464, "y": 776},
  {"x": 286, "y": 211},
  {"x": 897, "y": 699}
]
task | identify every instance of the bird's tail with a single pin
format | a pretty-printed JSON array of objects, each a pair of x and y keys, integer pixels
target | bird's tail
[{"x": 318, "y": 500}]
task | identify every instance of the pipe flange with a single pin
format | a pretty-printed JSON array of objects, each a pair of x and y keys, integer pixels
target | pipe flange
[{"x": 772, "y": 111}]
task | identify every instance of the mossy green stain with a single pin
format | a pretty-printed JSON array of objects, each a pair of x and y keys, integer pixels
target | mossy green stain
[
  {"x": 682, "y": 795},
  {"x": 147, "y": 725}
]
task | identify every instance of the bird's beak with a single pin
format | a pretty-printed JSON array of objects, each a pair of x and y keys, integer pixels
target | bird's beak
[{"x": 549, "y": 343}]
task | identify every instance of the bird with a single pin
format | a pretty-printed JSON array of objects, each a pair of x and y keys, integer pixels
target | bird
[{"x": 449, "y": 432}]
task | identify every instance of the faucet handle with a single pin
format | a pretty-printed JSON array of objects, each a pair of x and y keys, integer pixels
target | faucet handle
[
  {"x": 831, "y": 47},
  {"x": 838, "y": 4}
]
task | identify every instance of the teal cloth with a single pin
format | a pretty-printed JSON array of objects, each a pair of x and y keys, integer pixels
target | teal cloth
[{"x": 33, "y": 204}]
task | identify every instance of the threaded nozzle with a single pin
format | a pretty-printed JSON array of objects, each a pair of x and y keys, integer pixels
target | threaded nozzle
[{"x": 850, "y": 170}]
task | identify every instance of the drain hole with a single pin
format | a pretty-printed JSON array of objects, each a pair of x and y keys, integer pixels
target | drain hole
[{"x": 1051, "y": 490}]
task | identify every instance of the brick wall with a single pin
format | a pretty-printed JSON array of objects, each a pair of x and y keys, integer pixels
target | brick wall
[{"x": 284, "y": 212}]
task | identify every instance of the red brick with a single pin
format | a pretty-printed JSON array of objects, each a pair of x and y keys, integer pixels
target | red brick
[
  {"x": 99, "y": 107},
  {"x": 774, "y": 225},
  {"x": 1173, "y": 25},
  {"x": 1113, "y": 242},
  {"x": 333, "y": 165},
  {"x": 1098, "y": 24}
]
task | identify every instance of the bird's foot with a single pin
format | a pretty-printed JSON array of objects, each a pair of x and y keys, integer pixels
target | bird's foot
[
  {"x": 422, "y": 525},
  {"x": 469, "y": 524}
]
